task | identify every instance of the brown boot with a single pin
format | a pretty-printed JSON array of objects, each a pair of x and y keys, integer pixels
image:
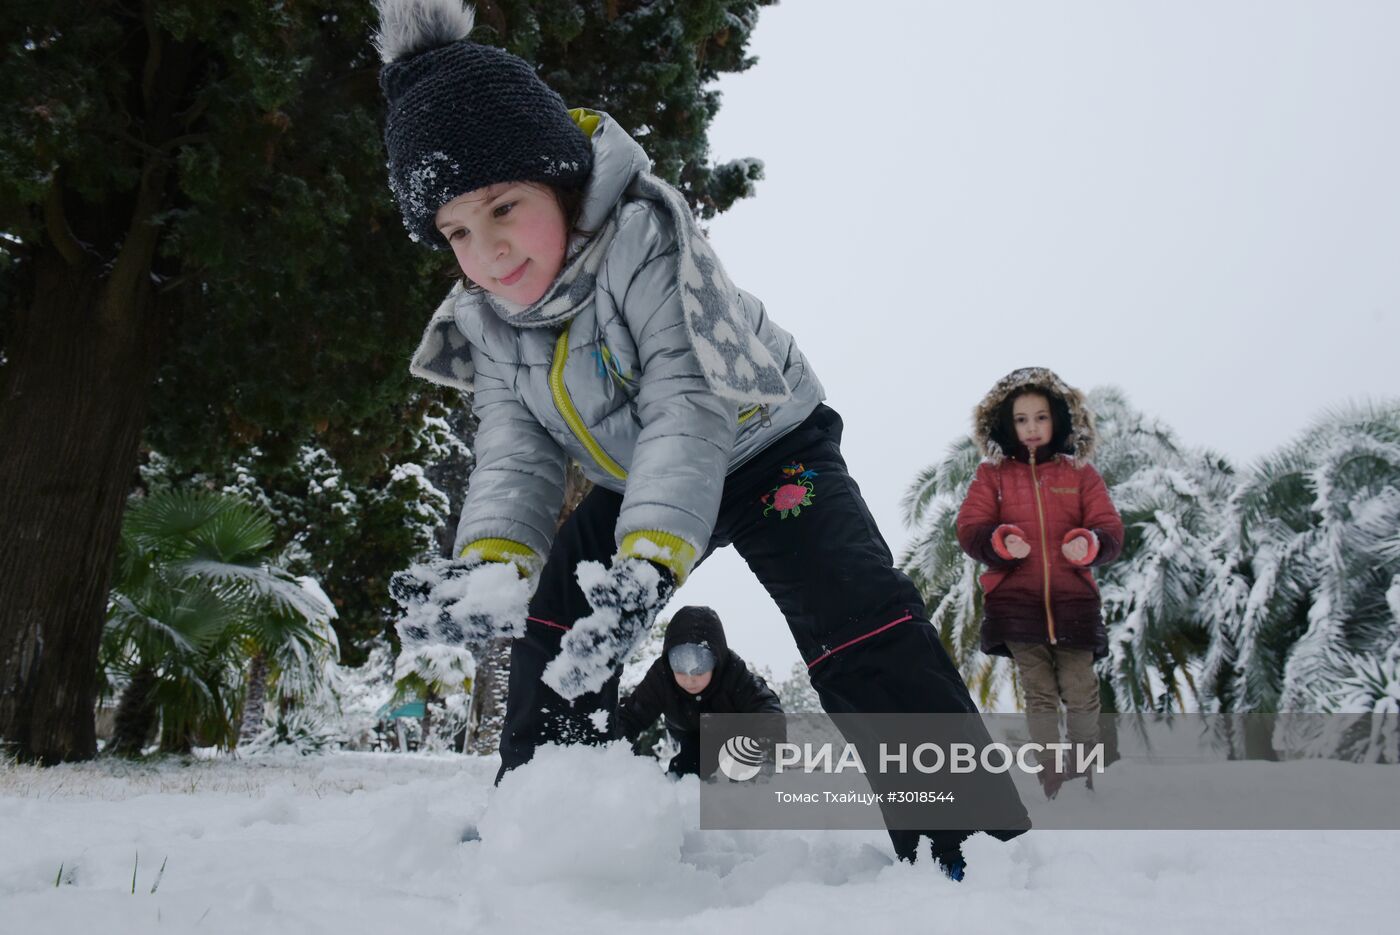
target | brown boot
[{"x": 1050, "y": 780}]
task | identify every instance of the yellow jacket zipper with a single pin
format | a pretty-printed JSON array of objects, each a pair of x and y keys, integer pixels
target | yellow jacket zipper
[
  {"x": 763, "y": 411},
  {"x": 1044, "y": 550},
  {"x": 565, "y": 405}
]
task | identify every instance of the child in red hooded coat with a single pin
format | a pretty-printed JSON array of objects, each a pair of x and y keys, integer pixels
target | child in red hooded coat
[{"x": 1039, "y": 516}]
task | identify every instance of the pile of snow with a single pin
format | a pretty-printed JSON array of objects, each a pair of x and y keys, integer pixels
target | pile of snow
[{"x": 594, "y": 840}]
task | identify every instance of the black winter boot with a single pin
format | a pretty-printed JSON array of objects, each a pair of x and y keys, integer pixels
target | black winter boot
[{"x": 953, "y": 864}]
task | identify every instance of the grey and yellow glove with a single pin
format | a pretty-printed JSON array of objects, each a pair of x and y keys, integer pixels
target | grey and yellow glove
[
  {"x": 466, "y": 601},
  {"x": 625, "y": 600}
]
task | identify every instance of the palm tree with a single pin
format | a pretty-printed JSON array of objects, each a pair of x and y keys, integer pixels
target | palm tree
[
  {"x": 1307, "y": 583},
  {"x": 194, "y": 600},
  {"x": 297, "y": 656},
  {"x": 944, "y": 575},
  {"x": 1171, "y": 498},
  {"x": 437, "y": 674}
]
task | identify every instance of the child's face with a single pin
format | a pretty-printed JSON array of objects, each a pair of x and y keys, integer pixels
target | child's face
[
  {"x": 1031, "y": 415},
  {"x": 693, "y": 684},
  {"x": 509, "y": 238}
]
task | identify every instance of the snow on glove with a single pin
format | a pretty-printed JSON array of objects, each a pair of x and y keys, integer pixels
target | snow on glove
[
  {"x": 625, "y": 600},
  {"x": 1091, "y": 546},
  {"x": 999, "y": 544},
  {"x": 460, "y": 601}
]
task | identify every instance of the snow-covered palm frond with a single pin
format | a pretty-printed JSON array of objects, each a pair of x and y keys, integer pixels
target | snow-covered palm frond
[
  {"x": 304, "y": 657},
  {"x": 944, "y": 575},
  {"x": 943, "y": 482},
  {"x": 1172, "y": 500},
  {"x": 1371, "y": 687},
  {"x": 1315, "y": 527},
  {"x": 278, "y": 590},
  {"x": 1129, "y": 441},
  {"x": 304, "y": 728},
  {"x": 1354, "y": 498},
  {"x": 1392, "y": 600},
  {"x": 1363, "y": 708},
  {"x": 1151, "y": 598},
  {"x": 1275, "y": 618},
  {"x": 1224, "y": 599},
  {"x": 958, "y": 617},
  {"x": 920, "y": 493}
]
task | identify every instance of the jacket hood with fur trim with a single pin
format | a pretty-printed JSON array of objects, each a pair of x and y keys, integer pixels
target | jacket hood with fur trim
[{"x": 1078, "y": 444}]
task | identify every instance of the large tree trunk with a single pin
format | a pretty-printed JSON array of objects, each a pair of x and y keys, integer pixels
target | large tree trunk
[
  {"x": 492, "y": 679},
  {"x": 73, "y": 403},
  {"x": 73, "y": 400}
]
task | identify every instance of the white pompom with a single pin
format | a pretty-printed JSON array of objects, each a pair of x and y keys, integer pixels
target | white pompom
[{"x": 407, "y": 27}]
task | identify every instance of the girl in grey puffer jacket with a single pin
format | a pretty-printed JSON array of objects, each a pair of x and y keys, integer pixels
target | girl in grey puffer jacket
[{"x": 599, "y": 327}]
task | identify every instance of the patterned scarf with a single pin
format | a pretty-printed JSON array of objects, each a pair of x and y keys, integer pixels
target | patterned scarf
[{"x": 573, "y": 290}]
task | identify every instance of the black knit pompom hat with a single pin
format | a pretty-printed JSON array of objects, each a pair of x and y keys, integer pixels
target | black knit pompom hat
[{"x": 462, "y": 115}]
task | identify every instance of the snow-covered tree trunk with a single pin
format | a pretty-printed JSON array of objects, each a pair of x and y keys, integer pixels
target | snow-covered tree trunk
[
  {"x": 427, "y": 724},
  {"x": 255, "y": 701},
  {"x": 489, "y": 699}
]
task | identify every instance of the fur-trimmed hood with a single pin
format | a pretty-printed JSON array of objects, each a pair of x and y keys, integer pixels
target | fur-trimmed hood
[{"x": 989, "y": 431}]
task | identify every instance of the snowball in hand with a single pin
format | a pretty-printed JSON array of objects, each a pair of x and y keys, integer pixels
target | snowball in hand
[
  {"x": 460, "y": 602},
  {"x": 625, "y": 599}
]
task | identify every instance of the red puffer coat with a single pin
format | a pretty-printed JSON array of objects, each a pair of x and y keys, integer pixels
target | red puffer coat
[{"x": 1043, "y": 598}]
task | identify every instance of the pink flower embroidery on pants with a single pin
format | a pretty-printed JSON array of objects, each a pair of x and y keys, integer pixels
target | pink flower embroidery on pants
[{"x": 790, "y": 497}]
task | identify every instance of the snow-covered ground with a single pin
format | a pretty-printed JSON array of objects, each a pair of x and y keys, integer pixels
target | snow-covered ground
[{"x": 590, "y": 840}]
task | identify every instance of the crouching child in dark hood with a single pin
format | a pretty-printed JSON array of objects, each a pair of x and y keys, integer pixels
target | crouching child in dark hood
[{"x": 697, "y": 674}]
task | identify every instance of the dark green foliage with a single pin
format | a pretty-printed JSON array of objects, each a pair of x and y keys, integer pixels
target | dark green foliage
[
  {"x": 646, "y": 64},
  {"x": 192, "y": 601}
]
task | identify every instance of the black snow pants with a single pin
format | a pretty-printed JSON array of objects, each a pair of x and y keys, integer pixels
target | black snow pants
[{"x": 800, "y": 523}]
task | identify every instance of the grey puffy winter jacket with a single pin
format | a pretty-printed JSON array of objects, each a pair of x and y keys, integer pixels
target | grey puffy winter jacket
[{"x": 618, "y": 389}]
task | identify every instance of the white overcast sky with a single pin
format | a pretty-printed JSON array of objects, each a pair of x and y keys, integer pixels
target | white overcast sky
[{"x": 1198, "y": 202}]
